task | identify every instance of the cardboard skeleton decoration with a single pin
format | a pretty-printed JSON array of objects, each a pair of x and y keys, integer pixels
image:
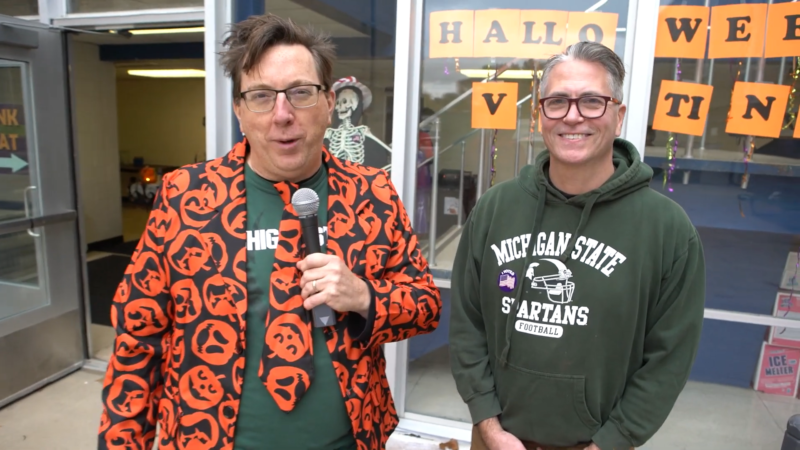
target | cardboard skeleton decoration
[{"x": 347, "y": 139}]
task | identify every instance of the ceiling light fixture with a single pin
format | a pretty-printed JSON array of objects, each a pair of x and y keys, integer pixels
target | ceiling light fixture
[
  {"x": 168, "y": 73},
  {"x": 510, "y": 74},
  {"x": 167, "y": 30}
]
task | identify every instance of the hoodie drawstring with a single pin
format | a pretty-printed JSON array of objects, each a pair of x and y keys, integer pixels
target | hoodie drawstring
[
  {"x": 587, "y": 210},
  {"x": 537, "y": 225}
]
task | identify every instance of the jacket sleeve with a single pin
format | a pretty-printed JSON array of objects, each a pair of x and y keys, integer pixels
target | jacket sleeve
[
  {"x": 670, "y": 346},
  {"x": 469, "y": 352},
  {"x": 405, "y": 302},
  {"x": 140, "y": 316}
]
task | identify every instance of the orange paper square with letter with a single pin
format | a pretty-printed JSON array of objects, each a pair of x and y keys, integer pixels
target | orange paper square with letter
[{"x": 757, "y": 109}]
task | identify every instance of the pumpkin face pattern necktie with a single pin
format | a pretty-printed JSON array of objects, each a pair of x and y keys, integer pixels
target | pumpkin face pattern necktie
[{"x": 287, "y": 363}]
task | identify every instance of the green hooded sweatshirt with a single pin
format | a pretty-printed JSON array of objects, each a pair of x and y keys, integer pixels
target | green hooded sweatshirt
[{"x": 576, "y": 320}]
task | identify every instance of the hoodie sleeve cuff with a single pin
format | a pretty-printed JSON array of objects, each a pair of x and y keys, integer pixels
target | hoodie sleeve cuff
[
  {"x": 484, "y": 406},
  {"x": 611, "y": 438}
]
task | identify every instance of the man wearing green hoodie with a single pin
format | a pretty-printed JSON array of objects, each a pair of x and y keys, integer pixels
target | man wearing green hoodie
[{"x": 578, "y": 291}]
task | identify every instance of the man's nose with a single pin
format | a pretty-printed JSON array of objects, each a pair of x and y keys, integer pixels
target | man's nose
[
  {"x": 283, "y": 112},
  {"x": 573, "y": 115}
]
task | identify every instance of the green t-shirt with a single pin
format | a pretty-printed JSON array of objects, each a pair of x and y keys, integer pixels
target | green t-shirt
[{"x": 320, "y": 420}]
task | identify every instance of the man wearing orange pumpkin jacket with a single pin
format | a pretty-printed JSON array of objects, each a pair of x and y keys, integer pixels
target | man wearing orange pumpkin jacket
[{"x": 214, "y": 341}]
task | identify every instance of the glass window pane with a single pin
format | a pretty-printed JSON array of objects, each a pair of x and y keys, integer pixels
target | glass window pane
[
  {"x": 85, "y": 6},
  {"x": 19, "y": 7},
  {"x": 741, "y": 192},
  {"x": 21, "y": 285},
  {"x": 448, "y": 73},
  {"x": 15, "y": 176}
]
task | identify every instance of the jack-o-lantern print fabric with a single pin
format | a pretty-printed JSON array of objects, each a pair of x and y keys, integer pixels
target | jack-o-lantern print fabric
[{"x": 179, "y": 310}]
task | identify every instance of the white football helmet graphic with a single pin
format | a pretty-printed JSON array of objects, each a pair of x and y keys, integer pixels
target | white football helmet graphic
[{"x": 558, "y": 287}]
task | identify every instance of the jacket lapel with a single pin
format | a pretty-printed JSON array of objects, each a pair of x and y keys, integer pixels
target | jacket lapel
[{"x": 225, "y": 233}]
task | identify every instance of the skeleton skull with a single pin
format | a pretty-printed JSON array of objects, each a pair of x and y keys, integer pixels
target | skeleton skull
[{"x": 346, "y": 104}]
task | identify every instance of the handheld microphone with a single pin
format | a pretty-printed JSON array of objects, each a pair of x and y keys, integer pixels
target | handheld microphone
[{"x": 306, "y": 203}]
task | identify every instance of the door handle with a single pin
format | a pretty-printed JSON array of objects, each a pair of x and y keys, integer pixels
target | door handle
[{"x": 28, "y": 208}]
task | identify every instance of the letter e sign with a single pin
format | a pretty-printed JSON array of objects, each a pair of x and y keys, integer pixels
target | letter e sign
[
  {"x": 757, "y": 109},
  {"x": 682, "y": 107},
  {"x": 494, "y": 105},
  {"x": 737, "y": 31},
  {"x": 783, "y": 30}
]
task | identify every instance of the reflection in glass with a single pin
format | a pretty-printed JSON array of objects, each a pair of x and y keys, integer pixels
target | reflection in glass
[
  {"x": 18, "y": 260},
  {"x": 19, "y": 7},
  {"x": 83, "y": 6},
  {"x": 14, "y": 156},
  {"x": 20, "y": 288}
]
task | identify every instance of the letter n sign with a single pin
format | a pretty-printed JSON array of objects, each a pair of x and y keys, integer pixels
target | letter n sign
[
  {"x": 682, "y": 107},
  {"x": 757, "y": 109},
  {"x": 682, "y": 32},
  {"x": 494, "y": 105}
]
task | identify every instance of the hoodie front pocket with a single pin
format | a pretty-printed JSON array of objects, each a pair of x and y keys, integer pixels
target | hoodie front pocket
[{"x": 546, "y": 408}]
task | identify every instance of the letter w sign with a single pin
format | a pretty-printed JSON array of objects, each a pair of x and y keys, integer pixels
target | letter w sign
[
  {"x": 682, "y": 32},
  {"x": 494, "y": 105}
]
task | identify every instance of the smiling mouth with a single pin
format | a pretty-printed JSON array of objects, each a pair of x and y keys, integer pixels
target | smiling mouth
[{"x": 575, "y": 135}]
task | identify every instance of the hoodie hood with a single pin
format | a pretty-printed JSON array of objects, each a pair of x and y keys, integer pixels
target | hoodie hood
[{"x": 630, "y": 175}]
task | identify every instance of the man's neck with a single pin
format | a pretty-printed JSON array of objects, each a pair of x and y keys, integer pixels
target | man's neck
[
  {"x": 274, "y": 177},
  {"x": 580, "y": 179}
]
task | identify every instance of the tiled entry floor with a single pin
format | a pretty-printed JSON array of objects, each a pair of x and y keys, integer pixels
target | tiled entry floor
[
  {"x": 705, "y": 417},
  {"x": 66, "y": 414}
]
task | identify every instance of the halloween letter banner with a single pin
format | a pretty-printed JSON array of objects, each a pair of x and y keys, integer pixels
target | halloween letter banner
[
  {"x": 783, "y": 30},
  {"x": 682, "y": 32},
  {"x": 451, "y": 34},
  {"x": 592, "y": 27},
  {"x": 543, "y": 33},
  {"x": 494, "y": 105},
  {"x": 515, "y": 33},
  {"x": 682, "y": 107},
  {"x": 737, "y": 31},
  {"x": 757, "y": 109},
  {"x": 497, "y": 33}
]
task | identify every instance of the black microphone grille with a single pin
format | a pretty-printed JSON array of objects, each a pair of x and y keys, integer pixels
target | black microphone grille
[{"x": 305, "y": 202}]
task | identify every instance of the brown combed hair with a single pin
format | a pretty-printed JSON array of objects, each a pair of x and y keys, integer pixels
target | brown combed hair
[{"x": 248, "y": 40}]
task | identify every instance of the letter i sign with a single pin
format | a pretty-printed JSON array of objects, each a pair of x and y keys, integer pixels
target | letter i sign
[{"x": 494, "y": 105}]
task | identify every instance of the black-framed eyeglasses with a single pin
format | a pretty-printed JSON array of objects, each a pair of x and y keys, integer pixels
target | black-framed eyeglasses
[
  {"x": 589, "y": 107},
  {"x": 263, "y": 100}
]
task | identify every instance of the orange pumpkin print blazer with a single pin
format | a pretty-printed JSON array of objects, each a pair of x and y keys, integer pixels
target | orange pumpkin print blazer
[{"x": 179, "y": 310}]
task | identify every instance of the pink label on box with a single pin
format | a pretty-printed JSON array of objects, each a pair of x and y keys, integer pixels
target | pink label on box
[
  {"x": 778, "y": 370},
  {"x": 788, "y": 308}
]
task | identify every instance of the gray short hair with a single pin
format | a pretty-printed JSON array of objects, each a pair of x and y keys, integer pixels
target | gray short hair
[{"x": 590, "y": 52}]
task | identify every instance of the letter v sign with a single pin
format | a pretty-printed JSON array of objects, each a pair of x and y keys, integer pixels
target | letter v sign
[
  {"x": 494, "y": 114},
  {"x": 491, "y": 104}
]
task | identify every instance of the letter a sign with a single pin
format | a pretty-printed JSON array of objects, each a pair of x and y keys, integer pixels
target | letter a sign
[
  {"x": 494, "y": 105},
  {"x": 757, "y": 109}
]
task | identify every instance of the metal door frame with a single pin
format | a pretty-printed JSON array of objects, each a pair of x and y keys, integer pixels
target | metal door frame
[{"x": 56, "y": 332}]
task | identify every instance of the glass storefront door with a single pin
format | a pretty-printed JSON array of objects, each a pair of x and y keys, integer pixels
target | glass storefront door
[{"x": 41, "y": 334}]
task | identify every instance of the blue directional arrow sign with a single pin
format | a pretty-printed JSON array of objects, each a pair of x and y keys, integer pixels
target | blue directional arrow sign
[{"x": 13, "y": 162}]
